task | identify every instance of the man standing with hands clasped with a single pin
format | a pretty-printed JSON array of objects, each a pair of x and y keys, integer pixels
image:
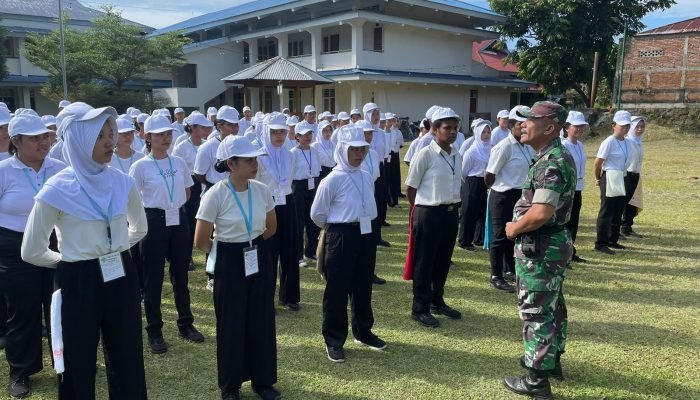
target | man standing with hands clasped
[{"x": 543, "y": 248}]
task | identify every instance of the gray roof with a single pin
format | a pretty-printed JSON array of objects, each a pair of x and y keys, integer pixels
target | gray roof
[{"x": 277, "y": 69}]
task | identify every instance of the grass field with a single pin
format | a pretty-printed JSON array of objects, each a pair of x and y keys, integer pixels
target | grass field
[{"x": 634, "y": 318}]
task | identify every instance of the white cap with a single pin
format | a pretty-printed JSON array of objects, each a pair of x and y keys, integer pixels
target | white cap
[
  {"x": 323, "y": 125},
  {"x": 443, "y": 113},
  {"x": 334, "y": 117},
  {"x": 323, "y": 115},
  {"x": 637, "y": 118},
  {"x": 48, "y": 120},
  {"x": 276, "y": 120},
  {"x": 63, "y": 103},
  {"x": 292, "y": 120},
  {"x": 369, "y": 107},
  {"x": 622, "y": 117},
  {"x": 87, "y": 113},
  {"x": 228, "y": 114},
  {"x": 26, "y": 111},
  {"x": 303, "y": 128},
  {"x": 4, "y": 116},
  {"x": 343, "y": 116},
  {"x": 246, "y": 108},
  {"x": 309, "y": 109},
  {"x": 198, "y": 119},
  {"x": 389, "y": 116},
  {"x": 518, "y": 109},
  {"x": 429, "y": 113},
  {"x": 503, "y": 114},
  {"x": 178, "y": 110},
  {"x": 237, "y": 146},
  {"x": 134, "y": 112},
  {"x": 28, "y": 125},
  {"x": 355, "y": 111},
  {"x": 211, "y": 111},
  {"x": 352, "y": 135},
  {"x": 382, "y": 117},
  {"x": 157, "y": 124},
  {"x": 576, "y": 118},
  {"x": 476, "y": 122},
  {"x": 365, "y": 125},
  {"x": 141, "y": 118},
  {"x": 124, "y": 125}
]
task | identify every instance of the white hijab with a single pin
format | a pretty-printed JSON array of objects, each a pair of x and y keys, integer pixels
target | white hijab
[
  {"x": 480, "y": 150},
  {"x": 340, "y": 155},
  {"x": 327, "y": 145},
  {"x": 378, "y": 139},
  {"x": 632, "y": 135},
  {"x": 278, "y": 160}
]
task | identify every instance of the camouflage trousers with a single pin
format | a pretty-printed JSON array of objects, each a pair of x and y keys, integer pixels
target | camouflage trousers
[{"x": 542, "y": 309}]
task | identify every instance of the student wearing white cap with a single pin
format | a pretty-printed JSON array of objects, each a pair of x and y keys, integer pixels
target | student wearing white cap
[
  {"x": 610, "y": 168},
  {"x": 343, "y": 119},
  {"x": 245, "y": 122},
  {"x": 63, "y": 104},
  {"x": 139, "y": 143},
  {"x": 275, "y": 171},
  {"x": 178, "y": 125},
  {"x": 4, "y": 135},
  {"x": 574, "y": 127},
  {"x": 470, "y": 140},
  {"x": 25, "y": 289},
  {"x": 241, "y": 213},
  {"x": 634, "y": 138},
  {"x": 429, "y": 136},
  {"x": 50, "y": 123},
  {"x": 433, "y": 186},
  {"x": 355, "y": 115},
  {"x": 204, "y": 169},
  {"x": 291, "y": 140},
  {"x": 164, "y": 182},
  {"x": 305, "y": 178},
  {"x": 501, "y": 131},
  {"x": 345, "y": 207},
  {"x": 372, "y": 116},
  {"x": 325, "y": 148},
  {"x": 98, "y": 215},
  {"x": 505, "y": 175},
  {"x": 424, "y": 127},
  {"x": 124, "y": 156},
  {"x": 394, "y": 169},
  {"x": 254, "y": 132},
  {"x": 211, "y": 114},
  {"x": 310, "y": 118},
  {"x": 473, "y": 192}
]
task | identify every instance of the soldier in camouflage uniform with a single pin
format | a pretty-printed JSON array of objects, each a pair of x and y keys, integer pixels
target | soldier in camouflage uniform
[{"x": 543, "y": 248}]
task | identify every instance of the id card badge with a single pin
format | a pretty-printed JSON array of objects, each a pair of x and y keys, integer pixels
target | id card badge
[
  {"x": 365, "y": 225},
  {"x": 312, "y": 184},
  {"x": 280, "y": 198},
  {"x": 111, "y": 267},
  {"x": 172, "y": 217},
  {"x": 250, "y": 256}
]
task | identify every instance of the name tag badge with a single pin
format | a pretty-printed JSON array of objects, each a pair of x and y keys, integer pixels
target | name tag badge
[
  {"x": 111, "y": 267},
  {"x": 250, "y": 256},
  {"x": 172, "y": 217},
  {"x": 365, "y": 225},
  {"x": 280, "y": 198},
  {"x": 312, "y": 184}
]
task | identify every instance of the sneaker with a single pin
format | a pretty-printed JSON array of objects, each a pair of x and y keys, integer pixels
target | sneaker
[
  {"x": 377, "y": 280},
  {"x": 578, "y": 259},
  {"x": 373, "y": 343},
  {"x": 267, "y": 392},
  {"x": 191, "y": 333},
  {"x": 469, "y": 247},
  {"x": 604, "y": 250},
  {"x": 501, "y": 284},
  {"x": 386, "y": 224},
  {"x": 383, "y": 243},
  {"x": 20, "y": 388},
  {"x": 303, "y": 264},
  {"x": 231, "y": 396},
  {"x": 425, "y": 319},
  {"x": 509, "y": 277},
  {"x": 312, "y": 258},
  {"x": 210, "y": 284},
  {"x": 335, "y": 354},
  {"x": 447, "y": 311},
  {"x": 617, "y": 246},
  {"x": 633, "y": 234},
  {"x": 157, "y": 345},
  {"x": 292, "y": 306}
]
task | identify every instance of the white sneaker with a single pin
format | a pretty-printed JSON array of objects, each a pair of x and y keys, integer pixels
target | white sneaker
[
  {"x": 210, "y": 285},
  {"x": 303, "y": 264}
]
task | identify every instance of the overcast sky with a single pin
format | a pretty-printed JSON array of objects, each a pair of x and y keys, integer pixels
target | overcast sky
[{"x": 158, "y": 13}]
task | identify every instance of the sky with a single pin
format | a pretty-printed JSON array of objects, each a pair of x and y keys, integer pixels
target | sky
[{"x": 158, "y": 14}]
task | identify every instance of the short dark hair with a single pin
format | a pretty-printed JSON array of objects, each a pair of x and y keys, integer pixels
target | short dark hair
[
  {"x": 221, "y": 166},
  {"x": 12, "y": 149},
  {"x": 437, "y": 124}
]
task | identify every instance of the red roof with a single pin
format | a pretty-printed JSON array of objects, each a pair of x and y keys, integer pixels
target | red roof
[
  {"x": 689, "y": 25},
  {"x": 485, "y": 53}
]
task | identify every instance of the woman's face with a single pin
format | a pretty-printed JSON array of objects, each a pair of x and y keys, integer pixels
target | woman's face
[
  {"x": 327, "y": 132},
  {"x": 374, "y": 119},
  {"x": 356, "y": 155},
  {"x": 244, "y": 167},
  {"x": 125, "y": 139},
  {"x": 620, "y": 130},
  {"x": 104, "y": 146},
  {"x": 369, "y": 135},
  {"x": 575, "y": 131},
  {"x": 201, "y": 132},
  {"x": 228, "y": 128},
  {"x": 641, "y": 127},
  {"x": 304, "y": 140},
  {"x": 486, "y": 134},
  {"x": 277, "y": 137},
  {"x": 32, "y": 148},
  {"x": 160, "y": 142}
]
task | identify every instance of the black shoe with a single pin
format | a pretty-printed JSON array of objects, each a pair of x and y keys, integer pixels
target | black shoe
[
  {"x": 377, "y": 280},
  {"x": 20, "y": 388},
  {"x": 469, "y": 247},
  {"x": 632, "y": 233},
  {"x": 509, "y": 277},
  {"x": 383, "y": 243},
  {"x": 617, "y": 246},
  {"x": 622, "y": 236},
  {"x": 426, "y": 319},
  {"x": 534, "y": 384},
  {"x": 231, "y": 396},
  {"x": 291, "y": 306},
  {"x": 373, "y": 343},
  {"x": 312, "y": 257},
  {"x": 386, "y": 224},
  {"x": 191, "y": 333},
  {"x": 501, "y": 284},
  {"x": 3, "y": 341},
  {"x": 555, "y": 373},
  {"x": 604, "y": 250},
  {"x": 157, "y": 345},
  {"x": 267, "y": 392},
  {"x": 578, "y": 259},
  {"x": 447, "y": 311},
  {"x": 479, "y": 244},
  {"x": 191, "y": 266},
  {"x": 402, "y": 195},
  {"x": 335, "y": 354}
]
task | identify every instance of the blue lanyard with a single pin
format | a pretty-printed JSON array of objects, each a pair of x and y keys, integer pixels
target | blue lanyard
[
  {"x": 106, "y": 217},
  {"x": 196, "y": 148},
  {"x": 171, "y": 187},
  {"x": 131, "y": 161},
  {"x": 528, "y": 156},
  {"x": 247, "y": 218},
  {"x": 31, "y": 181},
  {"x": 624, "y": 150},
  {"x": 370, "y": 164},
  {"x": 452, "y": 166},
  {"x": 361, "y": 191},
  {"x": 308, "y": 160}
]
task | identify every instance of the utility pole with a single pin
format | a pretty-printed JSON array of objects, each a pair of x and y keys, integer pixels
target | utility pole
[
  {"x": 622, "y": 68},
  {"x": 63, "y": 50},
  {"x": 594, "y": 84}
]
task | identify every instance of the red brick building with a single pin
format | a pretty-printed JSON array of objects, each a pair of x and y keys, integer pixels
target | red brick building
[{"x": 662, "y": 67}]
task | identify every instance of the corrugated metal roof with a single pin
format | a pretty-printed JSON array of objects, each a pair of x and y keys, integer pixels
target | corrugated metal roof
[
  {"x": 491, "y": 59},
  {"x": 689, "y": 25},
  {"x": 277, "y": 69},
  {"x": 425, "y": 75}
]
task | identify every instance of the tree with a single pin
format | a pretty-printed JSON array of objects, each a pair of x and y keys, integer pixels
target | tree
[
  {"x": 557, "y": 39},
  {"x": 3, "y": 52}
]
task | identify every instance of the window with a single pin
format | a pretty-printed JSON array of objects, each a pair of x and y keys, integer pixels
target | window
[
  {"x": 651, "y": 53},
  {"x": 290, "y": 100},
  {"x": 246, "y": 53},
  {"x": 185, "y": 76},
  {"x": 8, "y": 96},
  {"x": 378, "y": 38},
  {"x": 296, "y": 48},
  {"x": 329, "y": 100},
  {"x": 12, "y": 47},
  {"x": 267, "y": 50},
  {"x": 331, "y": 43},
  {"x": 473, "y": 99}
]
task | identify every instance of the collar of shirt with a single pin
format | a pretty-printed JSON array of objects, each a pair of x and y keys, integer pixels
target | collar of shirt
[
  {"x": 556, "y": 142},
  {"x": 18, "y": 164},
  {"x": 512, "y": 139},
  {"x": 436, "y": 148}
]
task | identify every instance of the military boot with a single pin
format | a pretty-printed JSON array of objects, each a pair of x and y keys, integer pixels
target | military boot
[
  {"x": 555, "y": 373},
  {"x": 534, "y": 384}
]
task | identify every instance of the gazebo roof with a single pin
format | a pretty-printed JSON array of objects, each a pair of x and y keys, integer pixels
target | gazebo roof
[{"x": 275, "y": 70}]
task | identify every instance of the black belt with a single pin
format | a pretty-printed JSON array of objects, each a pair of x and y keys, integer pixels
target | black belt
[
  {"x": 445, "y": 207},
  {"x": 344, "y": 224}
]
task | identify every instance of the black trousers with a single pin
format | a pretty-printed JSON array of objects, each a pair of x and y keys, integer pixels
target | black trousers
[
  {"x": 283, "y": 248},
  {"x": 501, "y": 248},
  {"x": 572, "y": 225},
  {"x": 324, "y": 172},
  {"x": 3, "y": 316},
  {"x": 173, "y": 243},
  {"x": 631, "y": 182},
  {"x": 350, "y": 261},
  {"x": 135, "y": 252},
  {"x": 609, "y": 217},
  {"x": 394, "y": 174},
  {"x": 25, "y": 294},
  {"x": 434, "y": 233},
  {"x": 192, "y": 205},
  {"x": 112, "y": 310},
  {"x": 246, "y": 347},
  {"x": 473, "y": 211},
  {"x": 304, "y": 198},
  {"x": 380, "y": 194}
]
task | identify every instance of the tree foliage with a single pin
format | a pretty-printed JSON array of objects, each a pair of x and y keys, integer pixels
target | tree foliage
[
  {"x": 557, "y": 39},
  {"x": 3, "y": 52}
]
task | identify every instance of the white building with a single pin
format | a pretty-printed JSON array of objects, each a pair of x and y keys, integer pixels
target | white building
[{"x": 405, "y": 55}]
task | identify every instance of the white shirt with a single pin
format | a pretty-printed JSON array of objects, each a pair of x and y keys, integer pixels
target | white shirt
[
  {"x": 56, "y": 151},
  {"x": 306, "y": 163},
  {"x": 181, "y": 139},
  {"x": 325, "y": 154},
  {"x": 289, "y": 144},
  {"x": 498, "y": 134},
  {"x": 579, "y": 156},
  {"x": 636, "y": 156},
  {"x": 616, "y": 154},
  {"x": 410, "y": 153},
  {"x": 188, "y": 152},
  {"x": 466, "y": 145},
  {"x": 371, "y": 164},
  {"x": 459, "y": 140},
  {"x": 78, "y": 239},
  {"x": 270, "y": 180},
  {"x": 471, "y": 166},
  {"x": 4, "y": 155},
  {"x": 156, "y": 178},
  {"x": 344, "y": 197},
  {"x": 18, "y": 186},
  {"x": 435, "y": 175},
  {"x": 396, "y": 140},
  {"x": 124, "y": 164},
  {"x": 219, "y": 207},
  {"x": 214, "y": 133},
  {"x": 243, "y": 124},
  {"x": 205, "y": 160},
  {"x": 510, "y": 162},
  {"x": 138, "y": 144}
]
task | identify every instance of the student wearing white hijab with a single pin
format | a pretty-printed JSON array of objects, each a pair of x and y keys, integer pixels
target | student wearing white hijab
[
  {"x": 240, "y": 211},
  {"x": 634, "y": 137},
  {"x": 473, "y": 192},
  {"x": 574, "y": 127},
  {"x": 344, "y": 206},
  {"x": 98, "y": 215},
  {"x": 394, "y": 170},
  {"x": 325, "y": 148},
  {"x": 291, "y": 140},
  {"x": 371, "y": 116},
  {"x": 470, "y": 140},
  {"x": 275, "y": 171}
]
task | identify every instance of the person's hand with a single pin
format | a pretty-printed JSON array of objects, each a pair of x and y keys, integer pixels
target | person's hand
[
  {"x": 597, "y": 183},
  {"x": 510, "y": 231}
]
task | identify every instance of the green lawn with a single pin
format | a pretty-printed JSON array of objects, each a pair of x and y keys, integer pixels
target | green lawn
[{"x": 634, "y": 325}]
